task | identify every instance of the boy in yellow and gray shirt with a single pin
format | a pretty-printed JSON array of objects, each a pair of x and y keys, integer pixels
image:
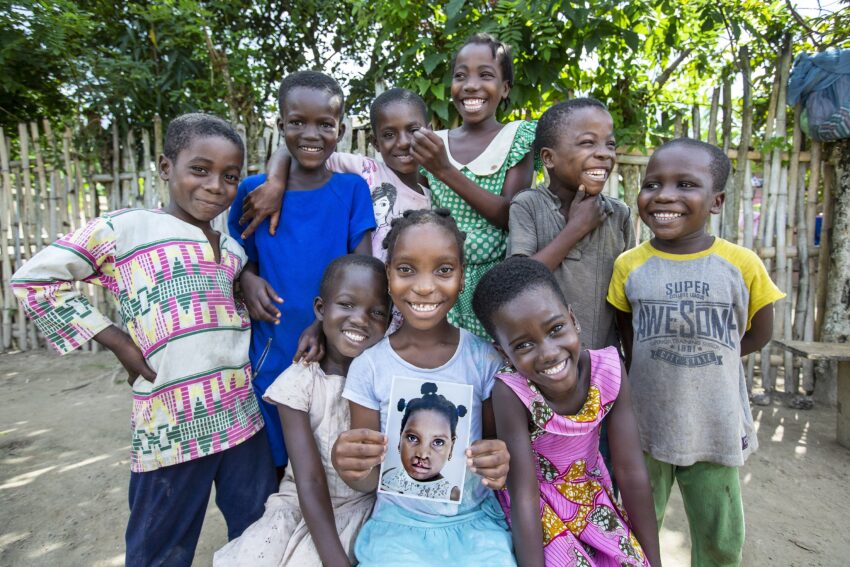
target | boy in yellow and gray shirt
[{"x": 689, "y": 306}]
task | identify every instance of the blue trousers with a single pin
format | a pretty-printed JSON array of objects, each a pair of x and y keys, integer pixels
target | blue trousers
[{"x": 168, "y": 505}]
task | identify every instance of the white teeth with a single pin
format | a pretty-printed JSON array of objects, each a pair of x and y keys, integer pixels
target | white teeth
[
  {"x": 599, "y": 174},
  {"x": 555, "y": 369},
  {"x": 310, "y": 149},
  {"x": 666, "y": 216},
  {"x": 424, "y": 307},
  {"x": 354, "y": 336},
  {"x": 473, "y": 104}
]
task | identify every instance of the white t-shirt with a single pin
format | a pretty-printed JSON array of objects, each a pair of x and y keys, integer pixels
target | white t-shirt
[{"x": 369, "y": 384}]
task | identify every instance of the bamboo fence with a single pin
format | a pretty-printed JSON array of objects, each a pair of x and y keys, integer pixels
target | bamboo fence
[{"x": 49, "y": 189}]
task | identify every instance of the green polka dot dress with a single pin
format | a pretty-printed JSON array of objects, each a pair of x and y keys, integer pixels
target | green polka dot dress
[{"x": 485, "y": 243}]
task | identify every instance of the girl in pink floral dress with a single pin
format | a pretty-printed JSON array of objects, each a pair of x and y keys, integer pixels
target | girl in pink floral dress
[{"x": 549, "y": 403}]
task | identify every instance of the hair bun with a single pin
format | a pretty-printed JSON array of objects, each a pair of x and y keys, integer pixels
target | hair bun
[
  {"x": 442, "y": 212},
  {"x": 401, "y": 405},
  {"x": 461, "y": 411},
  {"x": 428, "y": 388}
]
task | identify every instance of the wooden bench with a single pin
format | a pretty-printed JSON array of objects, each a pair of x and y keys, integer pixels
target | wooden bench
[{"x": 840, "y": 352}]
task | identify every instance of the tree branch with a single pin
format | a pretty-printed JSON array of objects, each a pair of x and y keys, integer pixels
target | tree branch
[
  {"x": 665, "y": 74},
  {"x": 803, "y": 24}
]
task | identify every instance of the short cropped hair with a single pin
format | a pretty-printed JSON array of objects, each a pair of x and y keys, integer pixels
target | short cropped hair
[
  {"x": 555, "y": 117},
  {"x": 505, "y": 282},
  {"x": 392, "y": 96},
  {"x": 188, "y": 127},
  {"x": 719, "y": 163},
  {"x": 310, "y": 80},
  {"x": 338, "y": 266}
]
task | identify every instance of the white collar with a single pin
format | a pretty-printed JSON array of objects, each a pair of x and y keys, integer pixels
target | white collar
[{"x": 493, "y": 156}]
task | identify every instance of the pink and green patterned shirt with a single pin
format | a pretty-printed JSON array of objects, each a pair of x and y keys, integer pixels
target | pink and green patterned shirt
[{"x": 178, "y": 306}]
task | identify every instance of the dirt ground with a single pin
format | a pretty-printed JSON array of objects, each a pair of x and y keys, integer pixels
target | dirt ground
[{"x": 64, "y": 470}]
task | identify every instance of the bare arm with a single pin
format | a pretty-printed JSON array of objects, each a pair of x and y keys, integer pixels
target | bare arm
[
  {"x": 266, "y": 200},
  {"x": 127, "y": 352},
  {"x": 429, "y": 150},
  {"x": 585, "y": 214},
  {"x": 630, "y": 472},
  {"x": 358, "y": 453},
  {"x": 624, "y": 327},
  {"x": 524, "y": 490},
  {"x": 312, "y": 485},
  {"x": 365, "y": 245},
  {"x": 761, "y": 330}
]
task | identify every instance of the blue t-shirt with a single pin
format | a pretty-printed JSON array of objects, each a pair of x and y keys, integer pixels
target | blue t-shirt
[{"x": 316, "y": 226}]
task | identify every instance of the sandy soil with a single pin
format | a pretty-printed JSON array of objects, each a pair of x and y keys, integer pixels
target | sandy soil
[{"x": 64, "y": 469}]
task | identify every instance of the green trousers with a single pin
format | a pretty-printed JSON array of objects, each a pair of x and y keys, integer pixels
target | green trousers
[{"x": 712, "y": 497}]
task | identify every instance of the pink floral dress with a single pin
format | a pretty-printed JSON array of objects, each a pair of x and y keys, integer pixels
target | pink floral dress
[{"x": 582, "y": 526}]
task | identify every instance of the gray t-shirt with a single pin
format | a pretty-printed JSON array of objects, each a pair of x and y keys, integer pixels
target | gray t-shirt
[
  {"x": 689, "y": 312},
  {"x": 369, "y": 383},
  {"x": 535, "y": 221}
]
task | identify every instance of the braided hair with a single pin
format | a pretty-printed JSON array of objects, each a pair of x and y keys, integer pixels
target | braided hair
[
  {"x": 411, "y": 217},
  {"x": 433, "y": 401}
]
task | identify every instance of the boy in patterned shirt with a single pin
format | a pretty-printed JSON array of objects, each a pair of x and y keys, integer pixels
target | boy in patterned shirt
[
  {"x": 690, "y": 305},
  {"x": 195, "y": 418}
]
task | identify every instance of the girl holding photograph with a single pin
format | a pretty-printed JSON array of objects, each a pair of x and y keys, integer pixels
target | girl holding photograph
[{"x": 425, "y": 269}]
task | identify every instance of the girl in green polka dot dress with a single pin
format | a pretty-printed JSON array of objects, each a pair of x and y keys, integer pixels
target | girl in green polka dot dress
[{"x": 474, "y": 170}]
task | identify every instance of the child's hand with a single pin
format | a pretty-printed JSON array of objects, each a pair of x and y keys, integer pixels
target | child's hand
[
  {"x": 586, "y": 213},
  {"x": 260, "y": 298},
  {"x": 311, "y": 344},
  {"x": 428, "y": 149},
  {"x": 261, "y": 203},
  {"x": 127, "y": 353},
  {"x": 489, "y": 458},
  {"x": 357, "y": 452}
]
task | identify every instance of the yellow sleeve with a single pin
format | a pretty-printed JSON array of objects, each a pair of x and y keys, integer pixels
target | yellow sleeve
[
  {"x": 617, "y": 287},
  {"x": 762, "y": 289}
]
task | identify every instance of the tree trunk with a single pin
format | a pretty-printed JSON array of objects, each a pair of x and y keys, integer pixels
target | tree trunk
[{"x": 836, "y": 323}]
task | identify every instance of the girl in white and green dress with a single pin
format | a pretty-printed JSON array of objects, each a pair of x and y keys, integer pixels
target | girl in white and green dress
[{"x": 474, "y": 170}]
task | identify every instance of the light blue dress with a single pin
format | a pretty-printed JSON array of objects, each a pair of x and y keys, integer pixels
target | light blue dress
[{"x": 404, "y": 531}]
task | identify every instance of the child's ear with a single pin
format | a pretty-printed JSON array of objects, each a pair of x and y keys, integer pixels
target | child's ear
[
  {"x": 319, "y": 308},
  {"x": 506, "y": 90},
  {"x": 165, "y": 166},
  {"x": 341, "y": 129},
  {"x": 500, "y": 351},
  {"x": 547, "y": 158},
  {"x": 717, "y": 204},
  {"x": 279, "y": 123}
]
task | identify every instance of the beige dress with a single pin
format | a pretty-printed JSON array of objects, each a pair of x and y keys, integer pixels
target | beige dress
[{"x": 281, "y": 536}]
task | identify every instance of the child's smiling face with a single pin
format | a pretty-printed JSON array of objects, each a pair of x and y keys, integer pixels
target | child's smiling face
[
  {"x": 425, "y": 274},
  {"x": 394, "y": 127},
  {"x": 677, "y": 197},
  {"x": 426, "y": 444},
  {"x": 477, "y": 83},
  {"x": 311, "y": 123},
  {"x": 355, "y": 314},
  {"x": 538, "y": 334},
  {"x": 203, "y": 179},
  {"x": 585, "y": 151}
]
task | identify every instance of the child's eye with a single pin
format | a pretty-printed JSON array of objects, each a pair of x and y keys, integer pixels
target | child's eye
[
  {"x": 328, "y": 125},
  {"x": 556, "y": 329},
  {"x": 404, "y": 269},
  {"x": 295, "y": 123},
  {"x": 388, "y": 135},
  {"x": 686, "y": 184},
  {"x": 459, "y": 76},
  {"x": 231, "y": 178},
  {"x": 414, "y": 129},
  {"x": 612, "y": 144},
  {"x": 445, "y": 270},
  {"x": 379, "y": 313},
  {"x": 198, "y": 169},
  {"x": 523, "y": 346},
  {"x": 344, "y": 304},
  {"x": 439, "y": 442},
  {"x": 649, "y": 186},
  {"x": 411, "y": 438}
]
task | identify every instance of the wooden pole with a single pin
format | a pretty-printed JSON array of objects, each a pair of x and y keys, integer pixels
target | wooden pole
[
  {"x": 150, "y": 196},
  {"x": 712, "y": 117},
  {"x": 823, "y": 253},
  {"x": 766, "y": 155},
  {"x": 115, "y": 198},
  {"x": 778, "y": 195},
  {"x": 742, "y": 185},
  {"x": 41, "y": 203},
  {"x": 157, "y": 141},
  {"x": 695, "y": 122},
  {"x": 25, "y": 191},
  {"x": 727, "y": 107},
  {"x": 5, "y": 259},
  {"x": 789, "y": 194}
]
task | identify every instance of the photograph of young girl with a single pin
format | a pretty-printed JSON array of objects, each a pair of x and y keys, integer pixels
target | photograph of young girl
[{"x": 428, "y": 430}]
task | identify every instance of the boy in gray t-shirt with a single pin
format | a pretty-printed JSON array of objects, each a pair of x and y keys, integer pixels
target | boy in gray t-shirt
[{"x": 689, "y": 306}]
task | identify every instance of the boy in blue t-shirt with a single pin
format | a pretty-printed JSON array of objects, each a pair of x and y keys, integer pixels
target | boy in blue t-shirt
[
  {"x": 690, "y": 305},
  {"x": 324, "y": 215}
]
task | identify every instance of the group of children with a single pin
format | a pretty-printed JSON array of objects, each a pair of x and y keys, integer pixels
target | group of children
[{"x": 363, "y": 270}]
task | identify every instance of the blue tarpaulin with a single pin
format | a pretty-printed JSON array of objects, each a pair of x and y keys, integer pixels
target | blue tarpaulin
[{"x": 821, "y": 83}]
